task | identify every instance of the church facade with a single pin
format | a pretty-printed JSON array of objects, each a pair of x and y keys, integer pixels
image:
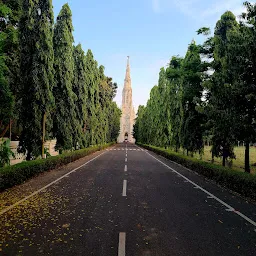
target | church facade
[{"x": 128, "y": 114}]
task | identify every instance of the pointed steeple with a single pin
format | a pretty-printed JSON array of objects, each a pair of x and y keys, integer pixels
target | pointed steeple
[{"x": 128, "y": 74}]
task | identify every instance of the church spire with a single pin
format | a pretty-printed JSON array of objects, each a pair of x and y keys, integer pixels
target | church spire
[{"x": 128, "y": 75}]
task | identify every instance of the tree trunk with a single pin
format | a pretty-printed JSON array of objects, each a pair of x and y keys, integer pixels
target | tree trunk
[
  {"x": 247, "y": 157},
  {"x": 10, "y": 129},
  {"x": 6, "y": 129},
  {"x": 28, "y": 157},
  {"x": 43, "y": 124},
  {"x": 187, "y": 152},
  {"x": 223, "y": 160}
]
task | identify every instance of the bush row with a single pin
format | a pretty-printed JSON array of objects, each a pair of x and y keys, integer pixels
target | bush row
[
  {"x": 17, "y": 174},
  {"x": 240, "y": 182}
]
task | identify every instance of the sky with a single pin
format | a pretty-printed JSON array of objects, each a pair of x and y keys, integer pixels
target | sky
[{"x": 149, "y": 31}]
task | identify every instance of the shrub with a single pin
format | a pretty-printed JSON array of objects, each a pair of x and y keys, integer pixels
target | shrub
[
  {"x": 19, "y": 173},
  {"x": 5, "y": 153},
  {"x": 240, "y": 182}
]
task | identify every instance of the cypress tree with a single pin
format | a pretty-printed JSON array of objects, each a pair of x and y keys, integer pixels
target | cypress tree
[
  {"x": 65, "y": 125},
  {"x": 174, "y": 75},
  {"x": 10, "y": 11},
  {"x": 36, "y": 34},
  {"x": 241, "y": 52},
  {"x": 221, "y": 104},
  {"x": 81, "y": 91},
  {"x": 191, "y": 127},
  {"x": 93, "y": 106}
]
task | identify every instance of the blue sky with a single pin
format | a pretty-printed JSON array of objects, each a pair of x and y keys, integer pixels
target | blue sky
[{"x": 149, "y": 31}]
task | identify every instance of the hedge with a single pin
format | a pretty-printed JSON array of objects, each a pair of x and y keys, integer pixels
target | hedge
[
  {"x": 19, "y": 173},
  {"x": 240, "y": 182}
]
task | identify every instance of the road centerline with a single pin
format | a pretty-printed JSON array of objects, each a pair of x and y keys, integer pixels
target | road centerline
[
  {"x": 124, "y": 187},
  {"x": 121, "y": 245}
]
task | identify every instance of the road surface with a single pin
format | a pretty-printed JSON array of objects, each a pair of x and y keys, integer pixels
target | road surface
[{"x": 129, "y": 201}]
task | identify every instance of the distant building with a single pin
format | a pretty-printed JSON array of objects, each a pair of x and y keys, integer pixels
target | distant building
[{"x": 128, "y": 114}]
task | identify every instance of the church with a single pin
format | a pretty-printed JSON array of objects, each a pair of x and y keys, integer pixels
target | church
[{"x": 128, "y": 114}]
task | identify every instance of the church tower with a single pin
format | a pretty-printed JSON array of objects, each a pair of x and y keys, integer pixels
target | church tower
[{"x": 128, "y": 114}]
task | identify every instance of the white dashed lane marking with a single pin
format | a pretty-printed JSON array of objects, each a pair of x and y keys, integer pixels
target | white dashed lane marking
[
  {"x": 121, "y": 246},
  {"x": 124, "y": 187},
  {"x": 126, "y": 149}
]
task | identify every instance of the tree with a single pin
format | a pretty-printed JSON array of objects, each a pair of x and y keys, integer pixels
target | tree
[
  {"x": 93, "y": 106},
  {"x": 10, "y": 11},
  {"x": 80, "y": 89},
  {"x": 164, "y": 126},
  {"x": 191, "y": 126},
  {"x": 174, "y": 75},
  {"x": 220, "y": 104},
  {"x": 65, "y": 125},
  {"x": 114, "y": 115},
  {"x": 36, "y": 46},
  {"x": 139, "y": 130},
  {"x": 241, "y": 53}
]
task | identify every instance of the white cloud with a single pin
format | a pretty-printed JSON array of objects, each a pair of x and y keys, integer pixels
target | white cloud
[
  {"x": 218, "y": 8},
  {"x": 156, "y": 6},
  {"x": 202, "y": 10}
]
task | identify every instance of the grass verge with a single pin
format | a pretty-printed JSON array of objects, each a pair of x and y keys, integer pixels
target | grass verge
[
  {"x": 240, "y": 182},
  {"x": 19, "y": 173}
]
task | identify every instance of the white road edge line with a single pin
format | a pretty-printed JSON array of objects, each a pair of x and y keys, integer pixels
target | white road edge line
[
  {"x": 125, "y": 168},
  {"x": 124, "y": 187},
  {"x": 231, "y": 209},
  {"x": 121, "y": 245},
  {"x": 50, "y": 184}
]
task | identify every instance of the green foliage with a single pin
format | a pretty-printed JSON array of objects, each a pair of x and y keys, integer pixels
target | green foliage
[
  {"x": 80, "y": 89},
  {"x": 174, "y": 75},
  {"x": 171, "y": 117},
  {"x": 210, "y": 95},
  {"x": 17, "y": 174},
  {"x": 5, "y": 153},
  {"x": 239, "y": 182},
  {"x": 37, "y": 58},
  {"x": 191, "y": 125},
  {"x": 241, "y": 53},
  {"x": 6, "y": 97},
  {"x": 66, "y": 127},
  {"x": 9, "y": 60}
]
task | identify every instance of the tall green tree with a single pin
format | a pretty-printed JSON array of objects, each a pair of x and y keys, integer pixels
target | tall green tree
[
  {"x": 139, "y": 130},
  {"x": 66, "y": 127},
  {"x": 164, "y": 127},
  {"x": 221, "y": 105},
  {"x": 37, "y": 57},
  {"x": 93, "y": 106},
  {"x": 81, "y": 91},
  {"x": 10, "y": 11},
  {"x": 174, "y": 75},
  {"x": 191, "y": 127},
  {"x": 241, "y": 53}
]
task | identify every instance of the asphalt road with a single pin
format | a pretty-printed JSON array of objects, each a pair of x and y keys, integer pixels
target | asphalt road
[{"x": 129, "y": 201}]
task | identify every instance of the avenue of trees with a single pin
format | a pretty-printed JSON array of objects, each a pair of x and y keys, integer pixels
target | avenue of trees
[
  {"x": 210, "y": 94},
  {"x": 49, "y": 87}
]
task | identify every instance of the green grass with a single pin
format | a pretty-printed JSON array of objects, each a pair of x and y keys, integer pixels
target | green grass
[{"x": 238, "y": 163}]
